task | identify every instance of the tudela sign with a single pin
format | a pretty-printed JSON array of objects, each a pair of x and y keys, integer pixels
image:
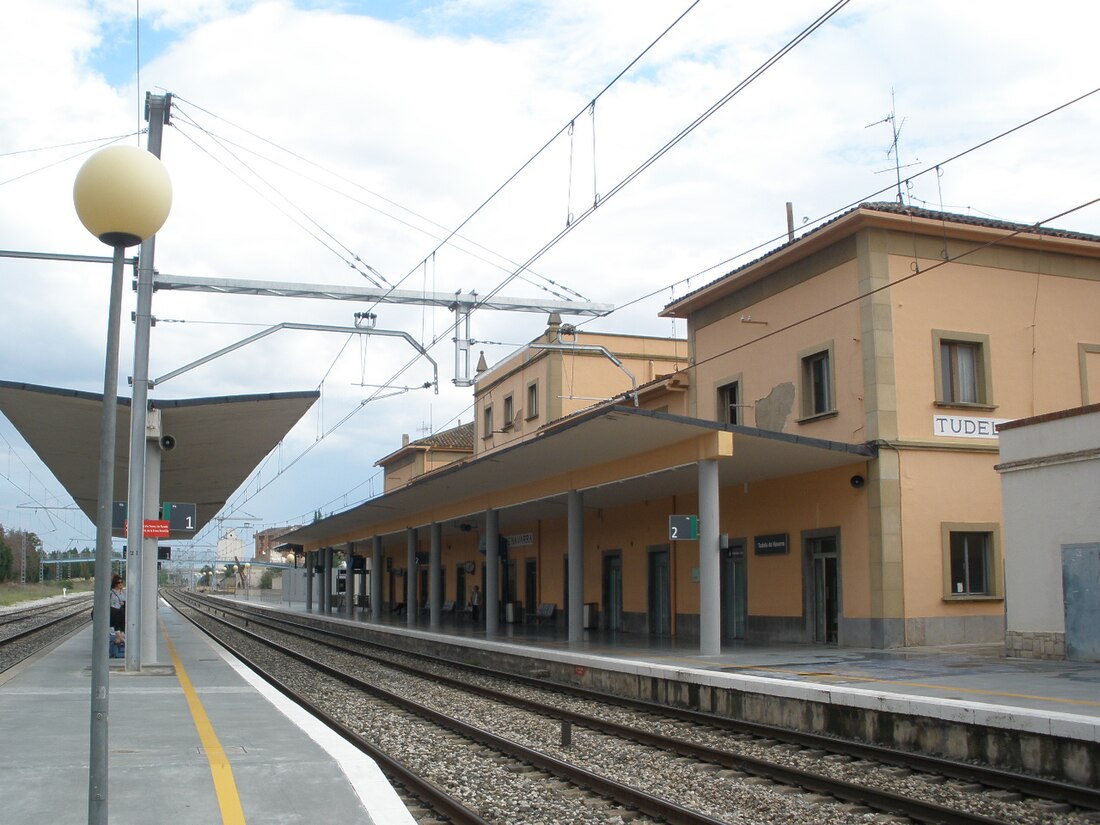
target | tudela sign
[{"x": 958, "y": 426}]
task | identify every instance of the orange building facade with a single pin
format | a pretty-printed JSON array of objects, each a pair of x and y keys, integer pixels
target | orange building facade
[{"x": 830, "y": 424}]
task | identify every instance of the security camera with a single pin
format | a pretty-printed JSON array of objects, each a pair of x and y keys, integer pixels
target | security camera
[
  {"x": 857, "y": 481},
  {"x": 167, "y": 442}
]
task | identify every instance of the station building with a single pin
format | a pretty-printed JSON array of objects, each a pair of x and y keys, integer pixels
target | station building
[{"x": 826, "y": 438}]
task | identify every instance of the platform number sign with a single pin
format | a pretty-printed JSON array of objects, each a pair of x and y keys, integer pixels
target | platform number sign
[
  {"x": 683, "y": 528},
  {"x": 179, "y": 516}
]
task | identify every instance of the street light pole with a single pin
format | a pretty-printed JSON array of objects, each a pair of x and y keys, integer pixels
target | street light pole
[
  {"x": 122, "y": 195},
  {"x": 141, "y": 624}
]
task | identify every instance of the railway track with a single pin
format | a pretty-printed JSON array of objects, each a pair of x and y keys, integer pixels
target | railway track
[
  {"x": 27, "y": 631},
  {"x": 834, "y": 778}
]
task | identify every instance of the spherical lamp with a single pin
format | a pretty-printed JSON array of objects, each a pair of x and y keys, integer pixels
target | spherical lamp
[{"x": 122, "y": 195}]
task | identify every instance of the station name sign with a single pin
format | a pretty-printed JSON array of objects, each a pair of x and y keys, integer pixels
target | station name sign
[
  {"x": 773, "y": 544},
  {"x": 962, "y": 426}
]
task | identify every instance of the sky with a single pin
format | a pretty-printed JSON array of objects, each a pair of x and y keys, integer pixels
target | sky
[{"x": 316, "y": 142}]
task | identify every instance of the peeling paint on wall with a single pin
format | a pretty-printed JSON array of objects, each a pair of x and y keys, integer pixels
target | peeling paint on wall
[{"x": 773, "y": 411}]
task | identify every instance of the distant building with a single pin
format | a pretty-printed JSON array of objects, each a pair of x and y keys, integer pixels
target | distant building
[
  {"x": 268, "y": 540},
  {"x": 230, "y": 546},
  {"x": 415, "y": 458}
]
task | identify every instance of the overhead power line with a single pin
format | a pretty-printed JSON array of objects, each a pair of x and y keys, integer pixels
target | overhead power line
[{"x": 754, "y": 75}]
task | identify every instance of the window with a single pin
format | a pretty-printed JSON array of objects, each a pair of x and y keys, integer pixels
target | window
[
  {"x": 817, "y": 382},
  {"x": 729, "y": 403},
  {"x": 533, "y": 400},
  {"x": 971, "y": 561},
  {"x": 487, "y": 422},
  {"x": 509, "y": 412},
  {"x": 962, "y": 369}
]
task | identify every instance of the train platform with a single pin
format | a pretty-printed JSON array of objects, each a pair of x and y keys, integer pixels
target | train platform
[
  {"x": 966, "y": 683},
  {"x": 193, "y": 740}
]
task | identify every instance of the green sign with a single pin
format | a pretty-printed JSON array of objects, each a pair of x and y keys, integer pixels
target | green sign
[{"x": 683, "y": 528}]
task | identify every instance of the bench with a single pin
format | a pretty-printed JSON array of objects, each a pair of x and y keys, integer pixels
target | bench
[
  {"x": 545, "y": 612},
  {"x": 449, "y": 606}
]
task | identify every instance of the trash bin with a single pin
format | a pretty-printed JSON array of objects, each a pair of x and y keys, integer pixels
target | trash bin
[
  {"x": 590, "y": 616},
  {"x": 513, "y": 612}
]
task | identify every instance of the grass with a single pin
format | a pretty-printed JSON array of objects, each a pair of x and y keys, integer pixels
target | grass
[{"x": 11, "y": 593}]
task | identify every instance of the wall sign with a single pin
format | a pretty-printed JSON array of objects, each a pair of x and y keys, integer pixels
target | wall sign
[
  {"x": 683, "y": 528},
  {"x": 774, "y": 544},
  {"x": 962, "y": 426}
]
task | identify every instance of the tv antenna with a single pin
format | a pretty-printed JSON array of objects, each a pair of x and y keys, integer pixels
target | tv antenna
[{"x": 895, "y": 129}]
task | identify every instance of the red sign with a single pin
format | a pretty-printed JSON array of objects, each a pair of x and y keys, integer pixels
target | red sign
[{"x": 156, "y": 529}]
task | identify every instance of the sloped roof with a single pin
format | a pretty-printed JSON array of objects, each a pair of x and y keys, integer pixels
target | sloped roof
[
  {"x": 891, "y": 208},
  {"x": 457, "y": 439},
  {"x": 219, "y": 441},
  {"x": 600, "y": 437}
]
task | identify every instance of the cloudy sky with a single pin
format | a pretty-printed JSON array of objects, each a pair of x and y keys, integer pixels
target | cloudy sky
[{"x": 324, "y": 142}]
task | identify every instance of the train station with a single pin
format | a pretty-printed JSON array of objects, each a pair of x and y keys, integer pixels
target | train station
[{"x": 841, "y": 478}]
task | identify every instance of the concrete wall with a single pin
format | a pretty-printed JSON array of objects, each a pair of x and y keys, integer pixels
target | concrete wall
[{"x": 1050, "y": 475}]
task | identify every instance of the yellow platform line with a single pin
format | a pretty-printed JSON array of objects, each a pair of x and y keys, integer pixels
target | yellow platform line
[{"x": 225, "y": 786}]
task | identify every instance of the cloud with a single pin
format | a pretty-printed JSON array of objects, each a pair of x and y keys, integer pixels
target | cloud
[{"x": 309, "y": 133}]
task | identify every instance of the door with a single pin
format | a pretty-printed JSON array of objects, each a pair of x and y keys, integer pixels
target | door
[
  {"x": 613, "y": 590},
  {"x": 460, "y": 585},
  {"x": 660, "y": 592},
  {"x": 826, "y": 588},
  {"x": 734, "y": 591},
  {"x": 530, "y": 586},
  {"x": 1081, "y": 595}
]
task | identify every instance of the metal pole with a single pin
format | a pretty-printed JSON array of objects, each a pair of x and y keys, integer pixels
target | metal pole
[
  {"x": 710, "y": 610},
  {"x": 149, "y": 561},
  {"x": 97, "y": 755},
  {"x": 575, "y": 513},
  {"x": 376, "y": 572},
  {"x": 492, "y": 572},
  {"x": 435, "y": 577},
  {"x": 326, "y": 582},
  {"x": 411, "y": 541},
  {"x": 309, "y": 582},
  {"x": 156, "y": 113}
]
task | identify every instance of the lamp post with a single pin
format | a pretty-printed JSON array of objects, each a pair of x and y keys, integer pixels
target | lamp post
[{"x": 122, "y": 196}]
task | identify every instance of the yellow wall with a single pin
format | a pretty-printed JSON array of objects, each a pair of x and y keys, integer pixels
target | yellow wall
[
  {"x": 942, "y": 487},
  {"x": 767, "y": 356}
]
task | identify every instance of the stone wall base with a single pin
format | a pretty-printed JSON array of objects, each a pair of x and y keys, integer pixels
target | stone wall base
[{"x": 1046, "y": 645}]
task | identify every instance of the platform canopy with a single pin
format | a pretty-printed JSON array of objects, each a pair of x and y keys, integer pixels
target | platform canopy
[
  {"x": 614, "y": 455},
  {"x": 218, "y": 441}
]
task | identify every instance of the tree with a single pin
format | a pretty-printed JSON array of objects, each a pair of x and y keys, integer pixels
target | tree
[{"x": 6, "y": 567}]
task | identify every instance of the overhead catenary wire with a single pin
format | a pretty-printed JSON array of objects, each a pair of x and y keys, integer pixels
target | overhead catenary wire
[
  {"x": 350, "y": 258},
  {"x": 770, "y": 242},
  {"x": 755, "y": 74},
  {"x": 453, "y": 242},
  {"x": 959, "y": 155}
]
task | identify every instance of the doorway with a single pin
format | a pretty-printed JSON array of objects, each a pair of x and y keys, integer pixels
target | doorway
[
  {"x": 823, "y": 554},
  {"x": 530, "y": 586},
  {"x": 460, "y": 586},
  {"x": 735, "y": 590},
  {"x": 613, "y": 590},
  {"x": 1081, "y": 594},
  {"x": 660, "y": 592}
]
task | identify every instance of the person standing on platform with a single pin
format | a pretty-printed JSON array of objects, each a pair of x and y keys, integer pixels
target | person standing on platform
[
  {"x": 118, "y": 603},
  {"x": 475, "y": 604}
]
